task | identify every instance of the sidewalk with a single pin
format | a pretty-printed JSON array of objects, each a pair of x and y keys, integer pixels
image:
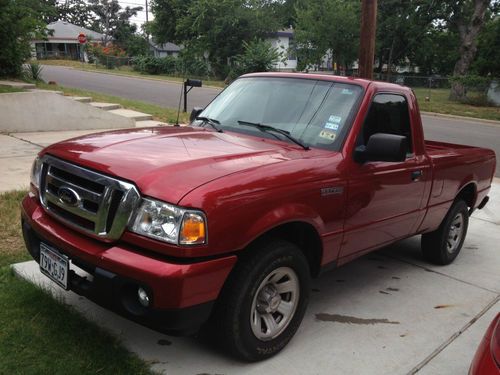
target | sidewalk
[{"x": 385, "y": 313}]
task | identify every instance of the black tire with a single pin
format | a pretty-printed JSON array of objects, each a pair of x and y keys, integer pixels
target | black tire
[
  {"x": 235, "y": 306},
  {"x": 435, "y": 245}
]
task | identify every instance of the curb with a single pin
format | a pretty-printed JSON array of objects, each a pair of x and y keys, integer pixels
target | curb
[
  {"x": 475, "y": 119},
  {"x": 132, "y": 76}
]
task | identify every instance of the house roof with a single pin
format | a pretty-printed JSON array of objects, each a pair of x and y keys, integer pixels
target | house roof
[
  {"x": 66, "y": 30},
  {"x": 285, "y": 32},
  {"x": 166, "y": 47}
]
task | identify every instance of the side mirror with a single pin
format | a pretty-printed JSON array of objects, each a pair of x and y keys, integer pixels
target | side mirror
[
  {"x": 195, "y": 113},
  {"x": 383, "y": 147}
]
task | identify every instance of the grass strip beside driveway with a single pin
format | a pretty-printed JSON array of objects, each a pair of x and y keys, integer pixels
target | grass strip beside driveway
[
  {"x": 6, "y": 89},
  {"x": 39, "y": 335}
]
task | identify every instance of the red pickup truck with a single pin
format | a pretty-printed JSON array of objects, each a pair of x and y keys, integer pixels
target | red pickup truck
[{"x": 281, "y": 177}]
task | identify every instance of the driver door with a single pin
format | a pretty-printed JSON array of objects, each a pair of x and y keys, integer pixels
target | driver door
[{"x": 384, "y": 198}]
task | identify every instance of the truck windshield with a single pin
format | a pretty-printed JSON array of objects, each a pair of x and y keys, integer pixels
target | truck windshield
[{"x": 316, "y": 113}]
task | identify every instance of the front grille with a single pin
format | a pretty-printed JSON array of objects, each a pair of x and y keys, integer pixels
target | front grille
[{"x": 88, "y": 201}]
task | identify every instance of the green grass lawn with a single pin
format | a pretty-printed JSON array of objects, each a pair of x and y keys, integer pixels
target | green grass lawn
[
  {"x": 39, "y": 335},
  {"x": 439, "y": 103},
  {"x": 6, "y": 89},
  {"x": 168, "y": 115},
  {"x": 126, "y": 71}
]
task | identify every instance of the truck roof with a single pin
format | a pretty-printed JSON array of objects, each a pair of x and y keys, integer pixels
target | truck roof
[{"x": 328, "y": 77}]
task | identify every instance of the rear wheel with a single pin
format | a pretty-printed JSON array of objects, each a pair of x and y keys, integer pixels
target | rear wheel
[
  {"x": 264, "y": 301},
  {"x": 444, "y": 244}
]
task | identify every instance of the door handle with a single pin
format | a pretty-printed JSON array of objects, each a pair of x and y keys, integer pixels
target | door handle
[{"x": 415, "y": 175}]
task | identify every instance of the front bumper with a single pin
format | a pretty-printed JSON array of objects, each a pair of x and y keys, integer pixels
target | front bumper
[{"x": 182, "y": 293}]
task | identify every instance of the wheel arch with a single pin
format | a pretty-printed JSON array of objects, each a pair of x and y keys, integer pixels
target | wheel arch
[
  {"x": 303, "y": 235},
  {"x": 468, "y": 193}
]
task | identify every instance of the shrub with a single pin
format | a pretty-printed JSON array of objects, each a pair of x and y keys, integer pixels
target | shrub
[
  {"x": 33, "y": 72},
  {"x": 110, "y": 55},
  {"x": 169, "y": 65},
  {"x": 258, "y": 56}
]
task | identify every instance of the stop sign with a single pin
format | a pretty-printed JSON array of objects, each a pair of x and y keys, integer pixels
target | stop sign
[{"x": 82, "y": 38}]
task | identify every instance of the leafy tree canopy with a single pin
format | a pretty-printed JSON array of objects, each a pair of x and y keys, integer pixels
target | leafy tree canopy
[
  {"x": 327, "y": 25},
  {"x": 20, "y": 22}
]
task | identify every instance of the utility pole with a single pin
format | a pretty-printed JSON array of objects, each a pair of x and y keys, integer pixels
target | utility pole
[
  {"x": 147, "y": 20},
  {"x": 367, "y": 38}
]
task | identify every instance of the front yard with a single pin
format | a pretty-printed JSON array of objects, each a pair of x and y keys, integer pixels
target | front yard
[{"x": 439, "y": 103}]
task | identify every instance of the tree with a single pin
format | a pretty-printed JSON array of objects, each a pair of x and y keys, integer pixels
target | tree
[
  {"x": 327, "y": 26},
  {"x": 468, "y": 18},
  {"x": 401, "y": 25},
  {"x": 488, "y": 52},
  {"x": 213, "y": 29},
  {"x": 436, "y": 51},
  {"x": 20, "y": 22},
  {"x": 167, "y": 14},
  {"x": 112, "y": 20},
  {"x": 77, "y": 12}
]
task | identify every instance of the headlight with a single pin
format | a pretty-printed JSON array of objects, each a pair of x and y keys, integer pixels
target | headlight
[
  {"x": 36, "y": 172},
  {"x": 169, "y": 223}
]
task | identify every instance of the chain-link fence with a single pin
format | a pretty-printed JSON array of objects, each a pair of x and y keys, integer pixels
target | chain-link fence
[
  {"x": 111, "y": 62},
  {"x": 413, "y": 81}
]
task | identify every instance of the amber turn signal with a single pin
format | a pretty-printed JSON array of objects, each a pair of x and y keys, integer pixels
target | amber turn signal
[{"x": 193, "y": 229}]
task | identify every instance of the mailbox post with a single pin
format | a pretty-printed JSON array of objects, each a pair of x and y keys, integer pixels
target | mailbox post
[{"x": 190, "y": 83}]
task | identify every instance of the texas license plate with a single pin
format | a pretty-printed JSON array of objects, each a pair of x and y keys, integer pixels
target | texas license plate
[{"x": 54, "y": 265}]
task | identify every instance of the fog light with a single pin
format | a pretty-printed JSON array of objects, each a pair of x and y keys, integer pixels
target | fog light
[{"x": 143, "y": 297}]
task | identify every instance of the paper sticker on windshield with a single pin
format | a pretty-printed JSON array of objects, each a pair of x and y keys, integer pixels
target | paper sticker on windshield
[
  {"x": 328, "y": 135},
  {"x": 335, "y": 119},
  {"x": 347, "y": 92},
  {"x": 331, "y": 126}
]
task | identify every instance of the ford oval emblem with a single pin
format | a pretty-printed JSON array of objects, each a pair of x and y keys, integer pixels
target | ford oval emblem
[{"x": 68, "y": 196}]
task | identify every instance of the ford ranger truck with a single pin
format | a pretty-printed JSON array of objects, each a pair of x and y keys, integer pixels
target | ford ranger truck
[{"x": 281, "y": 177}]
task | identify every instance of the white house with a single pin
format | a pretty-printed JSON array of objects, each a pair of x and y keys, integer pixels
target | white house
[
  {"x": 63, "y": 43},
  {"x": 165, "y": 49},
  {"x": 282, "y": 40}
]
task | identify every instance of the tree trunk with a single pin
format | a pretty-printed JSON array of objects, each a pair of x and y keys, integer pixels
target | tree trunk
[
  {"x": 389, "y": 62},
  {"x": 468, "y": 31}
]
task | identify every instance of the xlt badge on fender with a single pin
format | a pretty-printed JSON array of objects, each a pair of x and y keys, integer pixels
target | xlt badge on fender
[{"x": 331, "y": 190}]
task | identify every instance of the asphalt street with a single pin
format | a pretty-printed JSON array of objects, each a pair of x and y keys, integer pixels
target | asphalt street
[
  {"x": 157, "y": 92},
  {"x": 167, "y": 94}
]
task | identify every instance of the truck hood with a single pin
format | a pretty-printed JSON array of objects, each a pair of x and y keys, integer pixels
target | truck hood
[{"x": 168, "y": 163}]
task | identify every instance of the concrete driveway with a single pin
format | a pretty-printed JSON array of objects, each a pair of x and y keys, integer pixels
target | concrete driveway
[{"x": 385, "y": 313}]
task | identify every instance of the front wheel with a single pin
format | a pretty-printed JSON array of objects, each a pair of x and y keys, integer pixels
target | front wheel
[
  {"x": 265, "y": 300},
  {"x": 443, "y": 245}
]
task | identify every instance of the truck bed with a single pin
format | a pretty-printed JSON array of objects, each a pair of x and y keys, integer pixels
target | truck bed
[{"x": 454, "y": 165}]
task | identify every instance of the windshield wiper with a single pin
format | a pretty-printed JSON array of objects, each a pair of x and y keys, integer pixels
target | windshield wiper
[
  {"x": 269, "y": 128},
  {"x": 210, "y": 121}
]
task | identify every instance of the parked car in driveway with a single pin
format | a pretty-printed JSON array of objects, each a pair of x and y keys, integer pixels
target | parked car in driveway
[
  {"x": 281, "y": 177},
  {"x": 487, "y": 358}
]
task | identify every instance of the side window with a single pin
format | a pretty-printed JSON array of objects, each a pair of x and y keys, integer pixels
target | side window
[{"x": 388, "y": 114}]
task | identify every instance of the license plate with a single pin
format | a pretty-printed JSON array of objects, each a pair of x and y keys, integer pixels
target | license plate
[{"x": 54, "y": 265}]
